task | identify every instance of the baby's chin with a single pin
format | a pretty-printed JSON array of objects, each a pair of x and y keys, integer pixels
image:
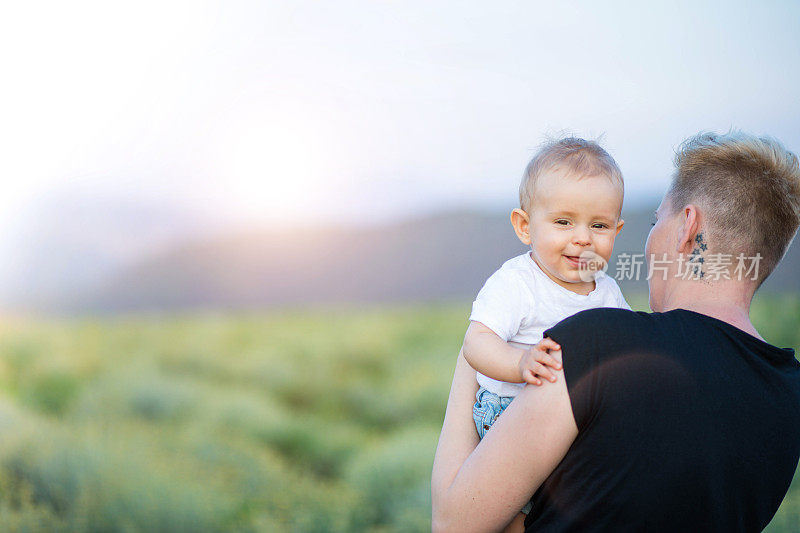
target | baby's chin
[{"x": 572, "y": 277}]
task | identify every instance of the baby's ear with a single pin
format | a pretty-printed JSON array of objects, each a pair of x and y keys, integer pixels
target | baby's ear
[
  {"x": 619, "y": 226},
  {"x": 521, "y": 222}
]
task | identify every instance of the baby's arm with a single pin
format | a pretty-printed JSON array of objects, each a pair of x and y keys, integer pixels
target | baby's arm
[{"x": 490, "y": 355}]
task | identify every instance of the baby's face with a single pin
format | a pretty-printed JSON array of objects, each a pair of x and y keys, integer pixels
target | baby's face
[{"x": 570, "y": 216}]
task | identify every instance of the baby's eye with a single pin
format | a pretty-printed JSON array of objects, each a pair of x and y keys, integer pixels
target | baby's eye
[
  {"x": 600, "y": 226},
  {"x": 562, "y": 222}
]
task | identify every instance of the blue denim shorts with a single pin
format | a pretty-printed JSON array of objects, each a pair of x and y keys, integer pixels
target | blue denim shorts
[{"x": 487, "y": 408}]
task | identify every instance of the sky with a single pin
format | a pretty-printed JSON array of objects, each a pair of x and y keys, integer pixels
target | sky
[{"x": 285, "y": 113}]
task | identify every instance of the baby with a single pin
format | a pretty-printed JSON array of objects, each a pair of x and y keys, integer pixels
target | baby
[{"x": 569, "y": 215}]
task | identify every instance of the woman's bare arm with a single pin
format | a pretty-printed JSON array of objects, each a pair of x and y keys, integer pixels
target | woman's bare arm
[
  {"x": 482, "y": 488},
  {"x": 458, "y": 437}
]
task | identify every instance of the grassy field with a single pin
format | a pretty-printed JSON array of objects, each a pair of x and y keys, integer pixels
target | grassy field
[{"x": 322, "y": 420}]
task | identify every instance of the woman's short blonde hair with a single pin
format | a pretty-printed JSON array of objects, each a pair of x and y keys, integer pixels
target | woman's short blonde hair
[
  {"x": 750, "y": 189},
  {"x": 580, "y": 158}
]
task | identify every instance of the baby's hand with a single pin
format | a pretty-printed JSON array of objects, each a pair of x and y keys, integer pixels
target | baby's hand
[{"x": 536, "y": 360}]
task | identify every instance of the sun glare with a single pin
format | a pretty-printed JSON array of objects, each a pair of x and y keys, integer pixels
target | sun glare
[{"x": 275, "y": 171}]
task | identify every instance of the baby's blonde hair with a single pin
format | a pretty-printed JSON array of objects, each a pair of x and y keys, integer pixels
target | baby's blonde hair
[{"x": 579, "y": 157}]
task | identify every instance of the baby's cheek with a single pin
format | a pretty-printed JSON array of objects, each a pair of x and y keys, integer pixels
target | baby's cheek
[
  {"x": 547, "y": 245},
  {"x": 606, "y": 247}
]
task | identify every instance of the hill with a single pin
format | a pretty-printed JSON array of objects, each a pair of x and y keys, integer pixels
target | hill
[{"x": 441, "y": 257}]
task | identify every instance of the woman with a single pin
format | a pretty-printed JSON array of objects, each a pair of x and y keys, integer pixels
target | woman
[{"x": 679, "y": 420}]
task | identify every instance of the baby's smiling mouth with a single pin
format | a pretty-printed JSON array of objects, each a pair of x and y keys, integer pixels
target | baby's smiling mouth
[{"x": 579, "y": 261}]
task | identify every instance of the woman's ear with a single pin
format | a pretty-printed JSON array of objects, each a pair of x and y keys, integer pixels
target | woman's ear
[
  {"x": 521, "y": 222},
  {"x": 688, "y": 230}
]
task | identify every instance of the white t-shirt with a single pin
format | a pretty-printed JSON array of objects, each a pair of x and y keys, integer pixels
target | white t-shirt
[{"x": 519, "y": 302}]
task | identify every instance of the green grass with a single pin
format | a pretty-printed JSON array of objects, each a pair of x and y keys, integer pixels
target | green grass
[{"x": 319, "y": 420}]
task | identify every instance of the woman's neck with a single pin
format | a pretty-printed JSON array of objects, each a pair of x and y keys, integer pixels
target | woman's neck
[{"x": 731, "y": 306}]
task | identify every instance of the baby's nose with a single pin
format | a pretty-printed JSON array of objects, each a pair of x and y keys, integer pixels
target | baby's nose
[{"x": 582, "y": 238}]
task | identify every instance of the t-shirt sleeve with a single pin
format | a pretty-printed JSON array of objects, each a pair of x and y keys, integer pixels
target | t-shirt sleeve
[
  {"x": 501, "y": 304},
  {"x": 581, "y": 337}
]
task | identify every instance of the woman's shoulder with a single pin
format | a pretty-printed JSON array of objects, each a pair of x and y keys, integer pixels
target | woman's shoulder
[
  {"x": 606, "y": 318},
  {"x": 597, "y": 334}
]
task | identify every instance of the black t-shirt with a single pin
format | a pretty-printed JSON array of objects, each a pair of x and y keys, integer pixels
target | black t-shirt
[{"x": 685, "y": 423}]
